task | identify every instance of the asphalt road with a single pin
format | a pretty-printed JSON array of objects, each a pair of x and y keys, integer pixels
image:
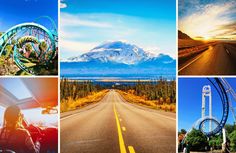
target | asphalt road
[
  {"x": 115, "y": 126},
  {"x": 217, "y": 60}
]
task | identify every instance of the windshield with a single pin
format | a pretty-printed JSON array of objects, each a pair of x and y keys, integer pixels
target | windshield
[
  {"x": 34, "y": 116},
  {"x": 2, "y": 115}
]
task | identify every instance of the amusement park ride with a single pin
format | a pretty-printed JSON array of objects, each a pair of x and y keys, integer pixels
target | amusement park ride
[
  {"x": 34, "y": 34},
  {"x": 227, "y": 95}
]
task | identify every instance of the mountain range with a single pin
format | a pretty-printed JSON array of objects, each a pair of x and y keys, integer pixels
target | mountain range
[{"x": 118, "y": 59}]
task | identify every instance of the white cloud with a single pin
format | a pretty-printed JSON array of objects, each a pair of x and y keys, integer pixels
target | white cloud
[
  {"x": 76, "y": 20},
  {"x": 76, "y": 46},
  {"x": 82, "y": 32},
  {"x": 208, "y": 21},
  {"x": 156, "y": 50},
  {"x": 65, "y": 34},
  {"x": 62, "y": 4},
  {"x": 153, "y": 49}
]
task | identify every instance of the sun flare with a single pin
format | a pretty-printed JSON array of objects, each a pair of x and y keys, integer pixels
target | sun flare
[{"x": 206, "y": 38}]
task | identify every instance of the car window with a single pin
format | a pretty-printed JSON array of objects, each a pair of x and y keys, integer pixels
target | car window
[
  {"x": 2, "y": 109},
  {"x": 35, "y": 116}
]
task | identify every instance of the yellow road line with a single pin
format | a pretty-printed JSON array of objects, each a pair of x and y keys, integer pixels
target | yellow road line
[
  {"x": 131, "y": 149},
  {"x": 121, "y": 140},
  {"x": 123, "y": 128}
]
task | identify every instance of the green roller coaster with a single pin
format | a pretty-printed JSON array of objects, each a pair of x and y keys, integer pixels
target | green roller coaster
[{"x": 31, "y": 38}]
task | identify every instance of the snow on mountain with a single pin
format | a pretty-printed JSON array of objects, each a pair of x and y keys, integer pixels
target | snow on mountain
[
  {"x": 117, "y": 52},
  {"x": 118, "y": 59}
]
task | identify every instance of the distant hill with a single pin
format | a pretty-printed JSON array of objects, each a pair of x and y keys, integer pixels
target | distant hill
[
  {"x": 118, "y": 58},
  {"x": 182, "y": 35}
]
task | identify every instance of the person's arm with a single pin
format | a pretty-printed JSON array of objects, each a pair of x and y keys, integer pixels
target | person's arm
[{"x": 30, "y": 146}]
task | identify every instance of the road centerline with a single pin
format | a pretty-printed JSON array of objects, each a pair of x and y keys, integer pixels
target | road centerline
[
  {"x": 227, "y": 51},
  {"x": 131, "y": 149},
  {"x": 121, "y": 140}
]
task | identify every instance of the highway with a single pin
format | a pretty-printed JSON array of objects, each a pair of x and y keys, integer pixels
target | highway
[
  {"x": 217, "y": 60},
  {"x": 116, "y": 126}
]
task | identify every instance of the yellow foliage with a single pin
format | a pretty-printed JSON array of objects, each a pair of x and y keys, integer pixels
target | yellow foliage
[
  {"x": 70, "y": 104},
  {"x": 156, "y": 104}
]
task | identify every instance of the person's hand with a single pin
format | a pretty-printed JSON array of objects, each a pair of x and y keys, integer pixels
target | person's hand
[
  {"x": 37, "y": 145},
  {"x": 35, "y": 133}
]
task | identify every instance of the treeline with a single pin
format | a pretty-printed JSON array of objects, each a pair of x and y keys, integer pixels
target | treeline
[
  {"x": 199, "y": 142},
  {"x": 74, "y": 89},
  {"x": 162, "y": 90}
]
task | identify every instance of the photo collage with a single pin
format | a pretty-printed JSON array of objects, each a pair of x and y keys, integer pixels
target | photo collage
[{"x": 117, "y": 76}]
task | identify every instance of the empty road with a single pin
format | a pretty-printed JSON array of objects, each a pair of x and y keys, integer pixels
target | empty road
[
  {"x": 217, "y": 60},
  {"x": 115, "y": 126}
]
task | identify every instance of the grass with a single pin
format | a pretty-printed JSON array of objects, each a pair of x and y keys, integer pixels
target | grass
[
  {"x": 70, "y": 104},
  {"x": 154, "y": 104},
  {"x": 187, "y": 43}
]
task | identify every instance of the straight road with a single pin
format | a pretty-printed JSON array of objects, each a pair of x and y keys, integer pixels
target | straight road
[
  {"x": 217, "y": 60},
  {"x": 115, "y": 126}
]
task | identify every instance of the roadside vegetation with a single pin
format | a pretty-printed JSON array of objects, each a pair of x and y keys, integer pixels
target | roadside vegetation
[
  {"x": 159, "y": 94},
  {"x": 188, "y": 43},
  {"x": 188, "y": 52},
  {"x": 76, "y": 94},
  {"x": 7, "y": 65}
]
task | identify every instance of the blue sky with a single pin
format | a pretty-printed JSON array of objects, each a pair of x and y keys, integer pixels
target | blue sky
[
  {"x": 148, "y": 24},
  {"x": 14, "y": 12},
  {"x": 215, "y": 19},
  {"x": 190, "y": 101}
]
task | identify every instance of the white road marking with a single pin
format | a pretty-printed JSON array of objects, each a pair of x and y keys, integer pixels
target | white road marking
[
  {"x": 227, "y": 51},
  {"x": 69, "y": 116},
  {"x": 190, "y": 62}
]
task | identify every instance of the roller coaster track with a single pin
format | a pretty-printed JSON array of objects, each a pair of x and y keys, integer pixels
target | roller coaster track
[
  {"x": 224, "y": 90},
  {"x": 221, "y": 90},
  {"x": 33, "y": 29},
  {"x": 20, "y": 27}
]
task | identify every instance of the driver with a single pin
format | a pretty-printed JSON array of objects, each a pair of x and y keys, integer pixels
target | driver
[{"x": 13, "y": 136}]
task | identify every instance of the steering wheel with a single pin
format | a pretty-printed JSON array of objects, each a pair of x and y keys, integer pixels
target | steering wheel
[{"x": 7, "y": 151}]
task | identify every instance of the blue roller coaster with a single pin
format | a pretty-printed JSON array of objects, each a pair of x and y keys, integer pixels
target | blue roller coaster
[
  {"x": 226, "y": 94},
  {"x": 42, "y": 41},
  {"x": 224, "y": 91},
  {"x": 221, "y": 90}
]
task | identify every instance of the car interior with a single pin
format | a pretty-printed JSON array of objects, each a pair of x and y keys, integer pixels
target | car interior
[{"x": 40, "y": 97}]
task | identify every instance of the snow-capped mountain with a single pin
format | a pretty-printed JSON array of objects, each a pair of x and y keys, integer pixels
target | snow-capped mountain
[
  {"x": 118, "y": 52},
  {"x": 118, "y": 59}
]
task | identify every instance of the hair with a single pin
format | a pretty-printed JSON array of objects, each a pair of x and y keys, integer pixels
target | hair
[{"x": 11, "y": 117}]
